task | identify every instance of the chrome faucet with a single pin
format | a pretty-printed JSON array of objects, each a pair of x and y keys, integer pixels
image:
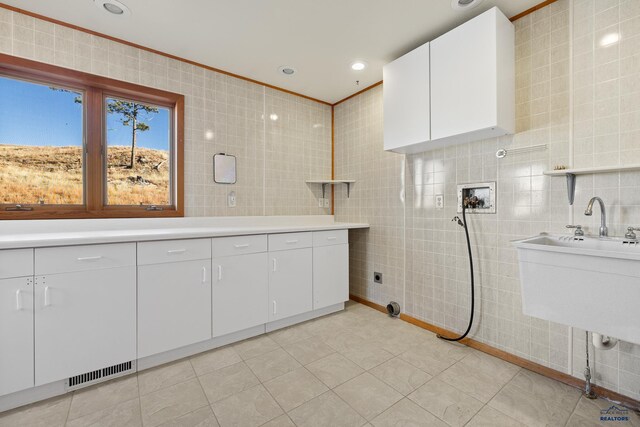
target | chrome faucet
[{"x": 604, "y": 231}]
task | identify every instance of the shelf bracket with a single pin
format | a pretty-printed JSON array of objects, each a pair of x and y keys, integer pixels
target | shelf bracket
[
  {"x": 324, "y": 185},
  {"x": 348, "y": 188},
  {"x": 571, "y": 187}
]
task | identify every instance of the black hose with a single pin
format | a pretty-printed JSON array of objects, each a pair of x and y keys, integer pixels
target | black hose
[{"x": 466, "y": 232}]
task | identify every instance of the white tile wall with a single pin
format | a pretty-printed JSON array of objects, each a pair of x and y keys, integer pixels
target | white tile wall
[
  {"x": 222, "y": 114},
  {"x": 583, "y": 106}
]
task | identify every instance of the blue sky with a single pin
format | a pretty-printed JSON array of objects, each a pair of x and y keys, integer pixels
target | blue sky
[{"x": 32, "y": 114}]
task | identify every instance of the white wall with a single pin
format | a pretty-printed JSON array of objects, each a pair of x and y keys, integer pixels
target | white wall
[
  {"x": 586, "y": 106},
  {"x": 274, "y": 157}
]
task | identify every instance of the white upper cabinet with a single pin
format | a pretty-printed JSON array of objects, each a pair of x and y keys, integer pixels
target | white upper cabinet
[
  {"x": 471, "y": 80},
  {"x": 406, "y": 100}
]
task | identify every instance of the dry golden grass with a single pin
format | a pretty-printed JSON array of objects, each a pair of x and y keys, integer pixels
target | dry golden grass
[{"x": 53, "y": 175}]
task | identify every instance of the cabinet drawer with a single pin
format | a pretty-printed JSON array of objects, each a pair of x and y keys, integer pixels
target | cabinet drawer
[
  {"x": 286, "y": 241},
  {"x": 237, "y": 245},
  {"x": 331, "y": 237},
  {"x": 16, "y": 263},
  {"x": 67, "y": 259},
  {"x": 173, "y": 250}
]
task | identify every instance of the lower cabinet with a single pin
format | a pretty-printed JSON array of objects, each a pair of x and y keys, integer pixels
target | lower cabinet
[
  {"x": 330, "y": 275},
  {"x": 16, "y": 334},
  {"x": 240, "y": 288},
  {"x": 174, "y": 305},
  {"x": 84, "y": 321},
  {"x": 290, "y": 283}
]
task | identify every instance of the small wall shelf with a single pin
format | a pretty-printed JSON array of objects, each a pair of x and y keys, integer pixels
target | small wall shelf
[
  {"x": 325, "y": 182},
  {"x": 571, "y": 174}
]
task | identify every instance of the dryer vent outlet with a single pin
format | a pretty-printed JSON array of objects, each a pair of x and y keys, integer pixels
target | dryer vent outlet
[{"x": 393, "y": 308}]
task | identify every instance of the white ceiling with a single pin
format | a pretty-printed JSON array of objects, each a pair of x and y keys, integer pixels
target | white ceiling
[{"x": 252, "y": 38}]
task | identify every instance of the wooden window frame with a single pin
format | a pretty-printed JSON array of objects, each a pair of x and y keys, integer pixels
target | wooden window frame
[{"x": 95, "y": 90}]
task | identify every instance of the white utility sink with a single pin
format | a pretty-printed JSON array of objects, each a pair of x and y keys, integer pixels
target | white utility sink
[{"x": 592, "y": 283}]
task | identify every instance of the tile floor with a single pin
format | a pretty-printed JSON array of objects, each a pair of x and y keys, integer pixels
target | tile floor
[{"x": 353, "y": 368}]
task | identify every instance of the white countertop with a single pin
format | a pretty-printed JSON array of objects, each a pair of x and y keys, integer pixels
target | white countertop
[{"x": 44, "y": 233}]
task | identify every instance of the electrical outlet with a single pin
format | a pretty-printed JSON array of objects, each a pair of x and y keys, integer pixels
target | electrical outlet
[
  {"x": 321, "y": 203},
  {"x": 439, "y": 201},
  {"x": 231, "y": 199},
  {"x": 326, "y": 203},
  {"x": 377, "y": 277}
]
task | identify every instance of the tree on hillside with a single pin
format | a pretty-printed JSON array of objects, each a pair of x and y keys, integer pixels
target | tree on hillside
[{"x": 134, "y": 115}]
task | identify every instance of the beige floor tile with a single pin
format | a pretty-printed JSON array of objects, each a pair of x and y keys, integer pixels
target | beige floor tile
[
  {"x": 123, "y": 414},
  {"x": 172, "y": 402},
  {"x": 367, "y": 355},
  {"x": 224, "y": 382},
  {"x": 368, "y": 395},
  {"x": 529, "y": 409},
  {"x": 425, "y": 362},
  {"x": 489, "y": 417},
  {"x": 163, "y": 376},
  {"x": 202, "y": 417},
  {"x": 590, "y": 409},
  {"x": 446, "y": 402},
  {"x": 48, "y": 413},
  {"x": 289, "y": 335},
  {"x": 294, "y": 388},
  {"x": 308, "y": 350},
  {"x": 578, "y": 421},
  {"x": 334, "y": 369},
  {"x": 407, "y": 413},
  {"x": 272, "y": 365},
  {"x": 401, "y": 375},
  {"x": 93, "y": 399},
  {"x": 343, "y": 340},
  {"x": 214, "y": 360},
  {"x": 326, "y": 410},
  {"x": 253, "y": 347},
  {"x": 252, "y": 407},
  {"x": 281, "y": 421},
  {"x": 474, "y": 382},
  {"x": 547, "y": 389},
  {"x": 489, "y": 365}
]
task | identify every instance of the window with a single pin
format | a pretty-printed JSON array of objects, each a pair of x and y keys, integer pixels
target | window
[{"x": 75, "y": 145}]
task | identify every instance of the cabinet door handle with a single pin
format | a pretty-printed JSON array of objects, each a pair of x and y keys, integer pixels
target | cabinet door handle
[
  {"x": 176, "y": 251},
  {"x": 290, "y": 242},
  {"x": 204, "y": 274},
  {"x": 47, "y": 297},
  {"x": 219, "y": 273},
  {"x": 331, "y": 238},
  {"x": 18, "y": 300},
  {"x": 90, "y": 258},
  {"x": 275, "y": 264},
  {"x": 244, "y": 245},
  {"x": 275, "y": 307}
]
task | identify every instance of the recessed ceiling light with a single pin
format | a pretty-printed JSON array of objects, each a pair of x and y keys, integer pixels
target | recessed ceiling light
[
  {"x": 287, "y": 70},
  {"x": 114, "y": 7},
  {"x": 609, "y": 39},
  {"x": 273, "y": 117},
  {"x": 464, "y": 4},
  {"x": 358, "y": 65}
]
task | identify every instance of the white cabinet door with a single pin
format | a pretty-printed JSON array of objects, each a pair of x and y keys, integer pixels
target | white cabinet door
[
  {"x": 290, "y": 283},
  {"x": 406, "y": 101},
  {"x": 330, "y": 275},
  {"x": 240, "y": 292},
  {"x": 473, "y": 80},
  {"x": 174, "y": 305},
  {"x": 16, "y": 334},
  {"x": 84, "y": 321}
]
